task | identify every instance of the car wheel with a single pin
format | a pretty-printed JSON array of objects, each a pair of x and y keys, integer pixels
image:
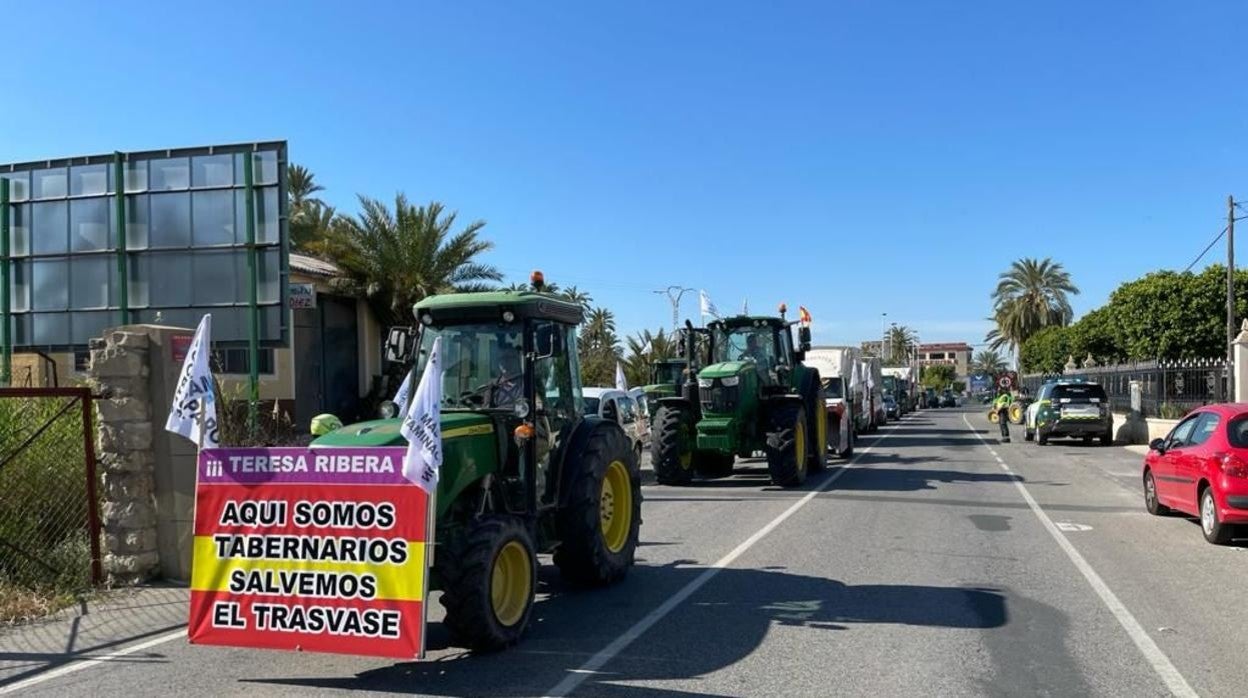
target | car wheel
[
  {"x": 1151, "y": 503},
  {"x": 1042, "y": 437},
  {"x": 1215, "y": 531},
  {"x": 1028, "y": 434}
]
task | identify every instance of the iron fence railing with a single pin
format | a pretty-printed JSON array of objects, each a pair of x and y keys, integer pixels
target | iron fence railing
[
  {"x": 1168, "y": 389},
  {"x": 49, "y": 519}
]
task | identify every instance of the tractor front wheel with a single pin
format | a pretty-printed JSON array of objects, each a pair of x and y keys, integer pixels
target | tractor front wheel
[
  {"x": 488, "y": 590},
  {"x": 671, "y": 446},
  {"x": 786, "y": 445},
  {"x": 598, "y": 526}
]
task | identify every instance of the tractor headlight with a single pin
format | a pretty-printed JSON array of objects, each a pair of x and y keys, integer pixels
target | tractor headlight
[
  {"x": 521, "y": 408},
  {"x": 706, "y": 382},
  {"x": 509, "y": 316},
  {"x": 730, "y": 381},
  {"x": 388, "y": 410}
]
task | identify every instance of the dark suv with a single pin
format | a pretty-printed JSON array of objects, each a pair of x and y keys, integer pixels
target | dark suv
[{"x": 1070, "y": 408}]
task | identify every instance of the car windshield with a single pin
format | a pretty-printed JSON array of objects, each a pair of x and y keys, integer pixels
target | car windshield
[
  {"x": 834, "y": 388},
  {"x": 746, "y": 343},
  {"x": 1237, "y": 431},
  {"x": 1085, "y": 393},
  {"x": 482, "y": 364}
]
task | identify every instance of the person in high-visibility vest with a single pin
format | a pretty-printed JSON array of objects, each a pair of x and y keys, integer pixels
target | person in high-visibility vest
[{"x": 1002, "y": 406}]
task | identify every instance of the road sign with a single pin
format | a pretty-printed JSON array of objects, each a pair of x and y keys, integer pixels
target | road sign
[
  {"x": 1005, "y": 382},
  {"x": 316, "y": 550}
]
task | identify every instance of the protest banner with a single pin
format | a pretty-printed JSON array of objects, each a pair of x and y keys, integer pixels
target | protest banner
[{"x": 321, "y": 550}]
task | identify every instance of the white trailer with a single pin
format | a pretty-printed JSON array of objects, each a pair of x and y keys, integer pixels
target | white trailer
[{"x": 836, "y": 368}]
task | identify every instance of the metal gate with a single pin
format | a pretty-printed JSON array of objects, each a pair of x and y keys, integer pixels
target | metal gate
[{"x": 49, "y": 518}]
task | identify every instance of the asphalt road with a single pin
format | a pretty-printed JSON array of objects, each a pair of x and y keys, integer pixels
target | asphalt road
[{"x": 939, "y": 562}]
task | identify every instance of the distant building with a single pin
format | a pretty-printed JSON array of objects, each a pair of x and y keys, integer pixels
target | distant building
[
  {"x": 873, "y": 348},
  {"x": 956, "y": 354}
]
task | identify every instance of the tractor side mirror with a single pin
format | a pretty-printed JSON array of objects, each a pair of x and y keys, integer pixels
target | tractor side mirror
[
  {"x": 803, "y": 339},
  {"x": 399, "y": 345},
  {"x": 547, "y": 341}
]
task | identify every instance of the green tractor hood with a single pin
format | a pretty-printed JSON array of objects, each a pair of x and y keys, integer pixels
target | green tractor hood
[
  {"x": 469, "y": 448},
  {"x": 726, "y": 369}
]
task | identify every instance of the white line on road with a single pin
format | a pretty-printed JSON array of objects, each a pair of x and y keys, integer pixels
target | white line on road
[
  {"x": 88, "y": 662},
  {"x": 1152, "y": 653},
  {"x": 577, "y": 676}
]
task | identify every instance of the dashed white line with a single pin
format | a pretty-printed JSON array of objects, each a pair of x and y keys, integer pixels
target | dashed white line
[
  {"x": 577, "y": 676},
  {"x": 1161, "y": 664}
]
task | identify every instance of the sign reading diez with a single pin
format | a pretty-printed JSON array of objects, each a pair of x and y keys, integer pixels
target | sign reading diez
[{"x": 309, "y": 549}]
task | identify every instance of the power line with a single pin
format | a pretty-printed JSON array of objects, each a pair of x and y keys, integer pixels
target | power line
[{"x": 1206, "y": 250}]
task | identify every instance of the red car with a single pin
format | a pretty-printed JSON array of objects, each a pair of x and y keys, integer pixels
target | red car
[{"x": 1201, "y": 469}]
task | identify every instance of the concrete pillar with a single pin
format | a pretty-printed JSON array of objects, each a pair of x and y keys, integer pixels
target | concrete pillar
[{"x": 1240, "y": 392}]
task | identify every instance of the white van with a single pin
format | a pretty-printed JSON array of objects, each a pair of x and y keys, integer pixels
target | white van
[{"x": 610, "y": 403}]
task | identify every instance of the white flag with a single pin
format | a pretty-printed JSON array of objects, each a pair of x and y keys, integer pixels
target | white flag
[
  {"x": 403, "y": 395},
  {"x": 708, "y": 308},
  {"x": 193, "y": 413},
  {"x": 422, "y": 425},
  {"x": 650, "y": 346},
  {"x": 621, "y": 383},
  {"x": 855, "y": 378},
  {"x": 745, "y": 307}
]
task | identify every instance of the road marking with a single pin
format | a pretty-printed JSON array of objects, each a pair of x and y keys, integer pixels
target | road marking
[
  {"x": 1068, "y": 526},
  {"x": 88, "y": 662},
  {"x": 1152, "y": 653},
  {"x": 577, "y": 676}
]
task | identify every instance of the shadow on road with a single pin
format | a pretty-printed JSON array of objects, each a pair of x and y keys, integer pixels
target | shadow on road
[
  {"x": 912, "y": 479},
  {"x": 725, "y": 622}
]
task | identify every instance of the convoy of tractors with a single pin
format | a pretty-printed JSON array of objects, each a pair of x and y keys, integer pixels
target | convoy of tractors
[{"x": 527, "y": 472}]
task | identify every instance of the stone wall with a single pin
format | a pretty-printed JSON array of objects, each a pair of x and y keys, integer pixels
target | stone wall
[{"x": 119, "y": 375}]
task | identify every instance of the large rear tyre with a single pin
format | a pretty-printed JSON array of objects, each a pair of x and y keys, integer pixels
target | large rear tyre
[
  {"x": 671, "y": 446},
  {"x": 599, "y": 525},
  {"x": 488, "y": 590},
  {"x": 818, "y": 430},
  {"x": 786, "y": 445}
]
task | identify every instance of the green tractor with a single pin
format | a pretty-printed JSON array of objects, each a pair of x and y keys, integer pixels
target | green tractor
[
  {"x": 666, "y": 377},
  {"x": 524, "y": 470},
  {"x": 755, "y": 394}
]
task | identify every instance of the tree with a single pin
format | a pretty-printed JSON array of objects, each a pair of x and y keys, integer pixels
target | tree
[
  {"x": 599, "y": 348},
  {"x": 899, "y": 343},
  {"x": 1046, "y": 351},
  {"x": 988, "y": 361},
  {"x": 300, "y": 187},
  {"x": 645, "y": 348},
  {"x": 1030, "y": 295},
  {"x": 399, "y": 257},
  {"x": 937, "y": 376},
  {"x": 581, "y": 298},
  {"x": 311, "y": 230}
]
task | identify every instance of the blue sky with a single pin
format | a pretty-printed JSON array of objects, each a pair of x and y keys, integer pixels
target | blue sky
[{"x": 855, "y": 157}]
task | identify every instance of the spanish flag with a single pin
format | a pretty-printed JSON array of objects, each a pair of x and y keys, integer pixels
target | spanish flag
[{"x": 803, "y": 315}]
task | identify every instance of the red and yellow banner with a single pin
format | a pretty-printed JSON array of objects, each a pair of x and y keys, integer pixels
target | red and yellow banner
[{"x": 321, "y": 550}]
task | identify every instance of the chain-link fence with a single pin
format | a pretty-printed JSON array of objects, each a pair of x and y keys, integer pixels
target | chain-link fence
[{"x": 49, "y": 523}]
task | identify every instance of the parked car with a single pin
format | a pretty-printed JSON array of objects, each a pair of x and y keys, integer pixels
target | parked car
[
  {"x": 947, "y": 399},
  {"x": 619, "y": 406},
  {"x": 892, "y": 408},
  {"x": 933, "y": 399},
  {"x": 643, "y": 414},
  {"x": 1069, "y": 408},
  {"x": 1201, "y": 469}
]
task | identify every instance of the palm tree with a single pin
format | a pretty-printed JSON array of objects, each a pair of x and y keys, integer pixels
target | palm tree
[
  {"x": 988, "y": 361},
  {"x": 399, "y": 257},
  {"x": 310, "y": 230},
  {"x": 644, "y": 348},
  {"x": 300, "y": 187},
  {"x": 599, "y": 348},
  {"x": 1030, "y": 295},
  {"x": 576, "y": 295},
  {"x": 900, "y": 341}
]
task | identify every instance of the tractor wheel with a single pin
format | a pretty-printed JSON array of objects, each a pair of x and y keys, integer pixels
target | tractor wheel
[
  {"x": 1016, "y": 413},
  {"x": 786, "y": 445},
  {"x": 817, "y": 423},
  {"x": 671, "y": 446},
  {"x": 488, "y": 590},
  {"x": 599, "y": 525},
  {"x": 713, "y": 464},
  {"x": 993, "y": 416}
]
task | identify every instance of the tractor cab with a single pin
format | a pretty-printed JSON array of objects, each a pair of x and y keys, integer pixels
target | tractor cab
[{"x": 524, "y": 469}]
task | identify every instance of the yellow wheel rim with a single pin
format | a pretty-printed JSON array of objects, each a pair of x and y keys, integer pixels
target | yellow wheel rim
[
  {"x": 992, "y": 416},
  {"x": 615, "y": 510},
  {"x": 511, "y": 583},
  {"x": 799, "y": 448},
  {"x": 1016, "y": 413}
]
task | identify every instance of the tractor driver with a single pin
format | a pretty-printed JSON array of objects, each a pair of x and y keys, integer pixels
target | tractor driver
[
  {"x": 508, "y": 387},
  {"x": 762, "y": 361}
]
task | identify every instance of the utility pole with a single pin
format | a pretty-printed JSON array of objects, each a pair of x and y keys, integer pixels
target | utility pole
[
  {"x": 674, "y": 294},
  {"x": 1230, "y": 293}
]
